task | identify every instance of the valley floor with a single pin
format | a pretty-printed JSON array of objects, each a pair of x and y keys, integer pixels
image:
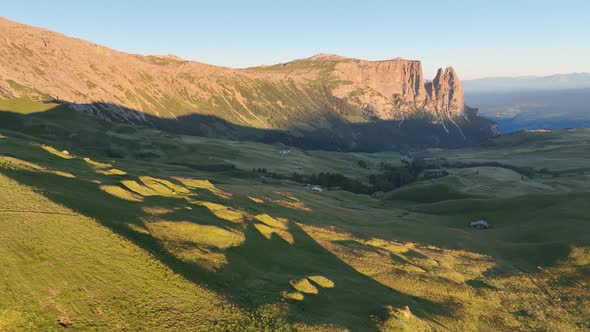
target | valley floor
[{"x": 113, "y": 227}]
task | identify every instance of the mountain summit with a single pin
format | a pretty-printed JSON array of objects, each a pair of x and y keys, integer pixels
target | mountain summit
[{"x": 326, "y": 101}]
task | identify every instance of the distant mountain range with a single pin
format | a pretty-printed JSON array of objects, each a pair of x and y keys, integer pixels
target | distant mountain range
[
  {"x": 528, "y": 102},
  {"x": 528, "y": 83},
  {"x": 325, "y": 101}
]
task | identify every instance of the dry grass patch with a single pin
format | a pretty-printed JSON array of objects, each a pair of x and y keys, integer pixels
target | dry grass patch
[
  {"x": 121, "y": 193},
  {"x": 203, "y": 184}
]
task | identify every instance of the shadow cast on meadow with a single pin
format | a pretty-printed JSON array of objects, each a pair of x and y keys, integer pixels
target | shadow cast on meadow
[{"x": 256, "y": 272}]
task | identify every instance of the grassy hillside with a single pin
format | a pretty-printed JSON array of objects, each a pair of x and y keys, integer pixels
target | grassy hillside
[
  {"x": 326, "y": 102},
  {"x": 118, "y": 227}
]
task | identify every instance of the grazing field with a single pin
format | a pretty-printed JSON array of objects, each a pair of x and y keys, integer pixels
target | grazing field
[{"x": 114, "y": 227}]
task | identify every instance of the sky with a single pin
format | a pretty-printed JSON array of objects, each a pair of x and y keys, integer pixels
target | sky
[{"x": 479, "y": 38}]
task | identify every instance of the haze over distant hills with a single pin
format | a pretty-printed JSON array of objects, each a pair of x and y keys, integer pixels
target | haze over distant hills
[
  {"x": 324, "y": 101},
  {"x": 528, "y": 83},
  {"x": 531, "y": 102}
]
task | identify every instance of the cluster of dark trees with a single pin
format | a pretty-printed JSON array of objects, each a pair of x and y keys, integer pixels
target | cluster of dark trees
[
  {"x": 389, "y": 177},
  {"x": 324, "y": 179}
]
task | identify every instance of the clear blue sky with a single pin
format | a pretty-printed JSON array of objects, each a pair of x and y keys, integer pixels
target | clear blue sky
[{"x": 479, "y": 38}]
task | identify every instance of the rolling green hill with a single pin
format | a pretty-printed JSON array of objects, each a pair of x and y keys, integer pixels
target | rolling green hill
[{"x": 110, "y": 226}]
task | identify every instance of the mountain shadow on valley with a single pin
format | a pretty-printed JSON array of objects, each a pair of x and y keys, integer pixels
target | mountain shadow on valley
[{"x": 341, "y": 135}]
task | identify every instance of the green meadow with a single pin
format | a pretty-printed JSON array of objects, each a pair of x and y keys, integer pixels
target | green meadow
[{"x": 113, "y": 227}]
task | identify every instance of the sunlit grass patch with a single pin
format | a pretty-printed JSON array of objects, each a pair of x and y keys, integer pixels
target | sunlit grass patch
[
  {"x": 286, "y": 195},
  {"x": 164, "y": 187},
  {"x": 157, "y": 210},
  {"x": 196, "y": 243},
  {"x": 96, "y": 163},
  {"x": 207, "y": 235},
  {"x": 223, "y": 212},
  {"x": 256, "y": 199},
  {"x": 138, "y": 188},
  {"x": 279, "y": 223},
  {"x": 402, "y": 320},
  {"x": 322, "y": 281},
  {"x": 62, "y": 174},
  {"x": 121, "y": 193},
  {"x": 112, "y": 171},
  {"x": 457, "y": 277},
  {"x": 580, "y": 256},
  {"x": 406, "y": 254},
  {"x": 158, "y": 187},
  {"x": 62, "y": 154},
  {"x": 203, "y": 184},
  {"x": 25, "y": 105},
  {"x": 298, "y": 296},
  {"x": 15, "y": 163},
  {"x": 304, "y": 286},
  {"x": 267, "y": 232},
  {"x": 392, "y": 246},
  {"x": 274, "y": 225},
  {"x": 10, "y": 320},
  {"x": 101, "y": 167},
  {"x": 56, "y": 262},
  {"x": 289, "y": 201},
  {"x": 292, "y": 205},
  {"x": 138, "y": 229},
  {"x": 208, "y": 258}
]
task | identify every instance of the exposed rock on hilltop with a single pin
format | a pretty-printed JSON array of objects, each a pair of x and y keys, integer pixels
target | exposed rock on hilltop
[
  {"x": 325, "y": 101},
  {"x": 445, "y": 95},
  {"x": 395, "y": 89}
]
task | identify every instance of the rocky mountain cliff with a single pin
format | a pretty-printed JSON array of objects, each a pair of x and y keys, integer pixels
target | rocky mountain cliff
[
  {"x": 395, "y": 89},
  {"x": 324, "y": 101}
]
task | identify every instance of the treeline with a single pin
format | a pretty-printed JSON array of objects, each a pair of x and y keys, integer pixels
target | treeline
[
  {"x": 389, "y": 177},
  {"x": 324, "y": 179},
  {"x": 526, "y": 171}
]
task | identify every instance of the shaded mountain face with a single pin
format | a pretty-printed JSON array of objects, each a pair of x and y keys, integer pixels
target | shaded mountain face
[{"x": 325, "y": 101}]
